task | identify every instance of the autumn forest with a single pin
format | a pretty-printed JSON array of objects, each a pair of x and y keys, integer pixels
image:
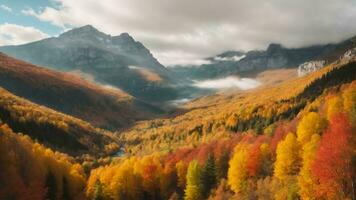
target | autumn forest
[
  {"x": 177, "y": 100},
  {"x": 295, "y": 145}
]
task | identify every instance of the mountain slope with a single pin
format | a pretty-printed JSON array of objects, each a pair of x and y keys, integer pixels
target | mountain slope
[
  {"x": 275, "y": 56},
  {"x": 108, "y": 58},
  {"x": 58, "y": 131},
  {"x": 104, "y": 107}
]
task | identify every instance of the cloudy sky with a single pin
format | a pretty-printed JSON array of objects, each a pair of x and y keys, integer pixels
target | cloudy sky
[{"x": 185, "y": 31}]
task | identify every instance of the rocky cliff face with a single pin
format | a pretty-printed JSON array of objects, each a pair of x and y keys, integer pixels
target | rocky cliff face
[
  {"x": 274, "y": 57},
  {"x": 350, "y": 54},
  {"x": 309, "y": 67},
  {"x": 315, "y": 65}
]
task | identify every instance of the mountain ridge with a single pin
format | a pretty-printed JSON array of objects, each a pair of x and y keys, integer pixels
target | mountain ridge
[
  {"x": 105, "y": 57},
  {"x": 274, "y": 56}
]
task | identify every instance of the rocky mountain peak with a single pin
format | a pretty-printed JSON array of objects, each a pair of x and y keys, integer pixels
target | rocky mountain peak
[
  {"x": 123, "y": 39},
  {"x": 125, "y": 36},
  {"x": 83, "y": 32},
  {"x": 273, "y": 48}
]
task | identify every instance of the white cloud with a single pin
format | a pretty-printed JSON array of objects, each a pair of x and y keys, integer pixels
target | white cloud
[
  {"x": 203, "y": 28},
  {"x": 6, "y": 8},
  {"x": 233, "y": 58},
  {"x": 177, "y": 57},
  {"x": 228, "y": 82},
  {"x": 13, "y": 34},
  {"x": 49, "y": 14}
]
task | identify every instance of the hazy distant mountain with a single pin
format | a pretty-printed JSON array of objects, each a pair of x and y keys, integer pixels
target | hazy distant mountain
[
  {"x": 275, "y": 56},
  {"x": 115, "y": 60}
]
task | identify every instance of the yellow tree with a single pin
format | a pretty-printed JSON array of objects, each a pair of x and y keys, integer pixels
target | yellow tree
[
  {"x": 349, "y": 96},
  {"x": 287, "y": 160},
  {"x": 306, "y": 182},
  {"x": 192, "y": 191},
  {"x": 311, "y": 124},
  {"x": 237, "y": 173},
  {"x": 335, "y": 105}
]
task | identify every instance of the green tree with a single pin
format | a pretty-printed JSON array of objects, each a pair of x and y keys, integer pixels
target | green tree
[
  {"x": 65, "y": 186},
  {"x": 208, "y": 176},
  {"x": 98, "y": 192},
  {"x": 222, "y": 165},
  {"x": 51, "y": 186}
]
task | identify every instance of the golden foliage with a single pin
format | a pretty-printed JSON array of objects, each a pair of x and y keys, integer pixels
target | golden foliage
[
  {"x": 306, "y": 181},
  {"x": 25, "y": 165},
  {"x": 287, "y": 161},
  {"x": 237, "y": 174}
]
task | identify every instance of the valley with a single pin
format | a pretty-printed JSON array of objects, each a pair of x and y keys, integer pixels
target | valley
[{"x": 87, "y": 115}]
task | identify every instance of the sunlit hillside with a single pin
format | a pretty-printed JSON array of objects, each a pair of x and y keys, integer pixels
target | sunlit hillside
[
  {"x": 56, "y": 130},
  {"x": 219, "y": 116},
  {"x": 308, "y": 153}
]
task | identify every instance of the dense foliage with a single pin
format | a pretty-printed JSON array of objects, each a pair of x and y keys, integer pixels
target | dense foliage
[
  {"x": 313, "y": 159},
  {"x": 236, "y": 113},
  {"x": 293, "y": 145},
  {"x": 31, "y": 171},
  {"x": 56, "y": 130}
]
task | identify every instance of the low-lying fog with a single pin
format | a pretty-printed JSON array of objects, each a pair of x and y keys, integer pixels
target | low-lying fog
[
  {"x": 228, "y": 82},
  {"x": 209, "y": 86}
]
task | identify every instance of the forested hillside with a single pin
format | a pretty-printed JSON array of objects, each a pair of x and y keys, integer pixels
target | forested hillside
[
  {"x": 31, "y": 171},
  {"x": 56, "y": 130},
  {"x": 309, "y": 155},
  {"x": 218, "y": 116},
  {"x": 104, "y": 107}
]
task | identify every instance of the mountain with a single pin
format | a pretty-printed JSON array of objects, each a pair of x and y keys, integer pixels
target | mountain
[
  {"x": 119, "y": 61},
  {"x": 275, "y": 56},
  {"x": 64, "y": 92}
]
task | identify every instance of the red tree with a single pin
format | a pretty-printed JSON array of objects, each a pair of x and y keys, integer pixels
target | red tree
[
  {"x": 279, "y": 134},
  {"x": 332, "y": 166},
  {"x": 254, "y": 160}
]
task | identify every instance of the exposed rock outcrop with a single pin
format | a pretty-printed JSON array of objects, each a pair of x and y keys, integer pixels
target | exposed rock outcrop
[
  {"x": 310, "y": 66},
  {"x": 348, "y": 55}
]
